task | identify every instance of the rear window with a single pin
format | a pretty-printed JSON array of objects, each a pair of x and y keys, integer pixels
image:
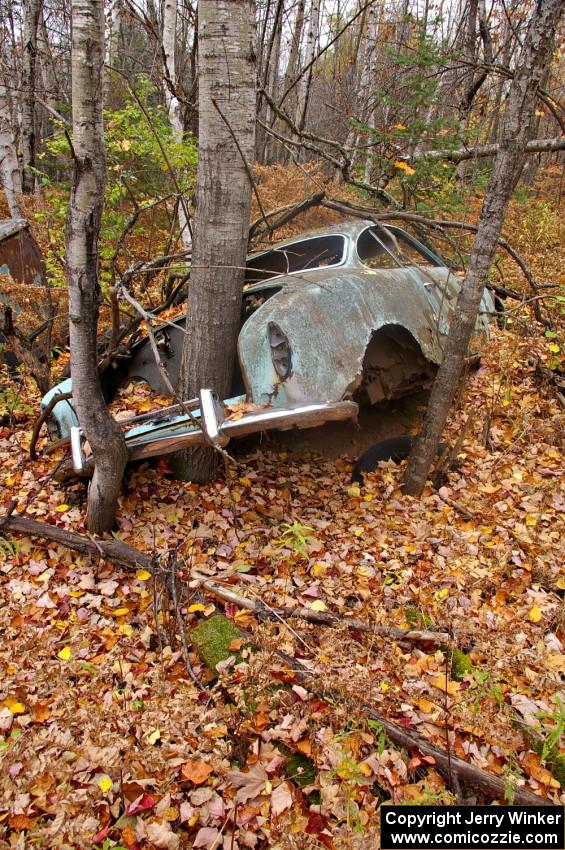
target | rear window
[
  {"x": 378, "y": 248},
  {"x": 315, "y": 253}
]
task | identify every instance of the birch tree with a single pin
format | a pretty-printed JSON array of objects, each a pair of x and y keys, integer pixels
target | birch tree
[
  {"x": 226, "y": 53},
  {"x": 9, "y": 168},
  {"x": 83, "y": 228},
  {"x": 170, "y": 14},
  {"x": 31, "y": 12},
  {"x": 532, "y": 62}
]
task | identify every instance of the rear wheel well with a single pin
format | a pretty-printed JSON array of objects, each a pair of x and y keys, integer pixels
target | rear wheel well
[{"x": 393, "y": 366}]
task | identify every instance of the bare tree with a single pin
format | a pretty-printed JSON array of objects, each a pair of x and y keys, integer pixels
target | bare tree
[
  {"x": 226, "y": 146},
  {"x": 9, "y": 169},
  {"x": 31, "y": 12},
  {"x": 83, "y": 228},
  {"x": 170, "y": 14},
  {"x": 534, "y": 58}
]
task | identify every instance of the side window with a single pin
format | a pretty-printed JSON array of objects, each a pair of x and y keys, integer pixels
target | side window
[
  {"x": 386, "y": 249},
  {"x": 318, "y": 252}
]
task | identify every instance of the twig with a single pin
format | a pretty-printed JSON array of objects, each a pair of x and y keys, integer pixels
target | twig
[{"x": 172, "y": 574}]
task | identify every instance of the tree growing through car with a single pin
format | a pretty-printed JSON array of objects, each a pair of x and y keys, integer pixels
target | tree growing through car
[
  {"x": 226, "y": 147},
  {"x": 533, "y": 60},
  {"x": 83, "y": 228}
]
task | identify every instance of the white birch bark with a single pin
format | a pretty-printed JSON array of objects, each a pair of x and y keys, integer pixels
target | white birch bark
[
  {"x": 170, "y": 13},
  {"x": 31, "y": 11},
  {"x": 310, "y": 45},
  {"x": 83, "y": 229},
  {"x": 9, "y": 168}
]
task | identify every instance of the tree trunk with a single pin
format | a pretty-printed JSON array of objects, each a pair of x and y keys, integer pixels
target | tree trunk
[
  {"x": 223, "y": 202},
  {"x": 9, "y": 169},
  {"x": 534, "y": 57},
  {"x": 83, "y": 228},
  {"x": 170, "y": 82},
  {"x": 305, "y": 81},
  {"x": 31, "y": 12}
]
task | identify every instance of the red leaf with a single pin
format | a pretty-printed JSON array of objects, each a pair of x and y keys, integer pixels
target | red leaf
[{"x": 141, "y": 804}]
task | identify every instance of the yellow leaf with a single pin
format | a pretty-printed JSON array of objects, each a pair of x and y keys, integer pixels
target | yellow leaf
[
  {"x": 403, "y": 166},
  {"x": 442, "y": 594},
  {"x": 385, "y": 687},
  {"x": 65, "y": 653},
  {"x": 425, "y": 705},
  {"x": 61, "y": 509},
  {"x": 15, "y": 707},
  {"x": 445, "y": 685},
  {"x": 120, "y": 612},
  {"x": 531, "y": 519},
  {"x": 143, "y": 575},
  {"x": 535, "y": 614},
  {"x": 354, "y": 490},
  {"x": 318, "y": 605},
  {"x": 125, "y": 629},
  {"x": 561, "y": 583},
  {"x": 245, "y": 481},
  {"x": 244, "y": 618},
  {"x": 105, "y": 784},
  {"x": 319, "y": 569},
  {"x": 198, "y": 606},
  {"x": 154, "y": 736},
  {"x": 399, "y": 127}
]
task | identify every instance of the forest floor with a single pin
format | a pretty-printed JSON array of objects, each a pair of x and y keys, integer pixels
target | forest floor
[{"x": 106, "y": 742}]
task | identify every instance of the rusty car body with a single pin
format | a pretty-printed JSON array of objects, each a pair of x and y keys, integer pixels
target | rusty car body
[{"x": 355, "y": 313}]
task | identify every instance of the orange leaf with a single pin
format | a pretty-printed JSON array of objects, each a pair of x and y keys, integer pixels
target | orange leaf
[
  {"x": 196, "y": 771},
  {"x": 305, "y": 747}
]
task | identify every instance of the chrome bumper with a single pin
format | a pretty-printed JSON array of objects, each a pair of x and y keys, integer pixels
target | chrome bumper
[{"x": 215, "y": 429}]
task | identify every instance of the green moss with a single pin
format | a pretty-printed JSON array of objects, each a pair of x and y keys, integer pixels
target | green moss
[
  {"x": 417, "y": 619},
  {"x": 212, "y": 639},
  {"x": 461, "y": 664}
]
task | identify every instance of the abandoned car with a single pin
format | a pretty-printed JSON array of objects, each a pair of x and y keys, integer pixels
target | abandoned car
[{"x": 353, "y": 314}]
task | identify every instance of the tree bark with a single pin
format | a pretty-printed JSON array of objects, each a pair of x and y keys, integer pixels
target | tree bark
[
  {"x": 223, "y": 203},
  {"x": 31, "y": 12},
  {"x": 9, "y": 168},
  {"x": 534, "y": 57},
  {"x": 170, "y": 14},
  {"x": 305, "y": 81},
  {"x": 83, "y": 228}
]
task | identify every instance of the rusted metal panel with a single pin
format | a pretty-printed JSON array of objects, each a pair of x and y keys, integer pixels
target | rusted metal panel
[{"x": 19, "y": 255}]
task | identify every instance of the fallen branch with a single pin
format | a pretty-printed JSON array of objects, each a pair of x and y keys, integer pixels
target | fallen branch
[
  {"x": 444, "y": 762},
  {"x": 321, "y": 618},
  {"x": 286, "y": 214},
  {"x": 483, "y": 151},
  {"x": 115, "y": 551}
]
